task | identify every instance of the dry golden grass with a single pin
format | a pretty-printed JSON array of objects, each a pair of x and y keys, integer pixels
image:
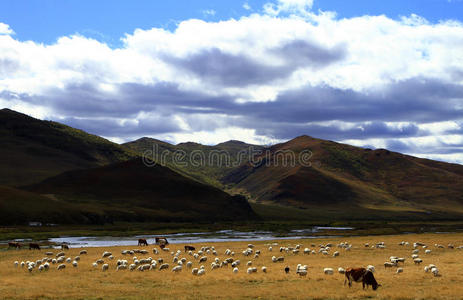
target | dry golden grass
[{"x": 86, "y": 282}]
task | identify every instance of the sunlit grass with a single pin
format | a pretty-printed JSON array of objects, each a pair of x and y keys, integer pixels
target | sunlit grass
[{"x": 86, "y": 282}]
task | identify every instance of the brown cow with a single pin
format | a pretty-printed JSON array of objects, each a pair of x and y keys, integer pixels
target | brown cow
[
  {"x": 142, "y": 242},
  {"x": 189, "y": 248},
  {"x": 361, "y": 275},
  {"x": 34, "y": 246},
  {"x": 14, "y": 245},
  {"x": 161, "y": 241}
]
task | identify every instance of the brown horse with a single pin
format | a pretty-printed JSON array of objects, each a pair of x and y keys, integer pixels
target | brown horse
[
  {"x": 142, "y": 242},
  {"x": 34, "y": 246},
  {"x": 14, "y": 245}
]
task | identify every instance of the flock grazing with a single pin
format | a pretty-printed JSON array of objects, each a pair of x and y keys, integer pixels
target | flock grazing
[{"x": 202, "y": 260}]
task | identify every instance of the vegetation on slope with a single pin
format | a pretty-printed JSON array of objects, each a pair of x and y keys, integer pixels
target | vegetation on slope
[{"x": 32, "y": 150}]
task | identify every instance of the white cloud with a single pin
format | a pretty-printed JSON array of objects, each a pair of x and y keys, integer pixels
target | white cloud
[
  {"x": 246, "y": 6},
  {"x": 255, "y": 61},
  {"x": 209, "y": 12},
  {"x": 298, "y": 7},
  {"x": 5, "y": 29}
]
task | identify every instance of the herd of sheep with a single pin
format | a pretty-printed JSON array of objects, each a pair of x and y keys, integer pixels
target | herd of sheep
[{"x": 195, "y": 261}]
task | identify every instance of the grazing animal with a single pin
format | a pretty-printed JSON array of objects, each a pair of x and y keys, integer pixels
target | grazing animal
[
  {"x": 61, "y": 267},
  {"x": 64, "y": 247},
  {"x": 161, "y": 241},
  {"x": 82, "y": 252},
  {"x": 142, "y": 242},
  {"x": 34, "y": 246},
  {"x": 341, "y": 270},
  {"x": 15, "y": 245},
  {"x": 286, "y": 269},
  {"x": 361, "y": 275},
  {"x": 328, "y": 271},
  {"x": 189, "y": 248}
]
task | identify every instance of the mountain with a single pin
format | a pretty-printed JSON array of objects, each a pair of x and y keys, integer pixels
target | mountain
[
  {"x": 32, "y": 150},
  {"x": 133, "y": 191},
  {"x": 206, "y": 164},
  {"x": 350, "y": 182},
  {"x": 18, "y": 207}
]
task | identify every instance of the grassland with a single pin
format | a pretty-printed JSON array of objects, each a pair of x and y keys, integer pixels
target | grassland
[{"x": 86, "y": 282}]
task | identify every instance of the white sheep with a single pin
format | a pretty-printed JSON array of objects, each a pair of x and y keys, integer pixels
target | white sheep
[
  {"x": 341, "y": 270},
  {"x": 399, "y": 270},
  {"x": 61, "y": 267},
  {"x": 328, "y": 271},
  {"x": 83, "y": 252},
  {"x": 235, "y": 270},
  {"x": 427, "y": 251},
  {"x": 105, "y": 267},
  {"x": 177, "y": 269},
  {"x": 74, "y": 264},
  {"x": 435, "y": 272},
  {"x": 417, "y": 261},
  {"x": 163, "y": 267},
  {"x": 264, "y": 269},
  {"x": 201, "y": 272},
  {"x": 203, "y": 259},
  {"x": 336, "y": 254}
]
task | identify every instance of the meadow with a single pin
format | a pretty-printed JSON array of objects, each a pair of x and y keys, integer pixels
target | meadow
[{"x": 88, "y": 282}]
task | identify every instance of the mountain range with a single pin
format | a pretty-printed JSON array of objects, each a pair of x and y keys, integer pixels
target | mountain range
[{"x": 58, "y": 174}]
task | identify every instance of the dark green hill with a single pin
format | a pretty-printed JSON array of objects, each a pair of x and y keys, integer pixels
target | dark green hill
[
  {"x": 32, "y": 150},
  {"x": 131, "y": 191},
  {"x": 206, "y": 164}
]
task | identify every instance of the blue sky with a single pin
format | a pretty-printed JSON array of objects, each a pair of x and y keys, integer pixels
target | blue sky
[
  {"x": 371, "y": 73},
  {"x": 108, "y": 20}
]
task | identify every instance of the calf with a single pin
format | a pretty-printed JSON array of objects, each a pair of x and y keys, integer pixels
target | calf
[
  {"x": 189, "y": 248},
  {"x": 361, "y": 275},
  {"x": 161, "y": 241},
  {"x": 142, "y": 242},
  {"x": 34, "y": 246}
]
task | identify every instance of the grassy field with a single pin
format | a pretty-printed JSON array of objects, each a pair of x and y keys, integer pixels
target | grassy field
[{"x": 87, "y": 282}]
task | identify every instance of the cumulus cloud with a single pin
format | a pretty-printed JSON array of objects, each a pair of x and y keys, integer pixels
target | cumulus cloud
[
  {"x": 5, "y": 29},
  {"x": 369, "y": 81}
]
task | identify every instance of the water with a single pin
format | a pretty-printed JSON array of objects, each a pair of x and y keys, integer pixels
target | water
[{"x": 197, "y": 237}]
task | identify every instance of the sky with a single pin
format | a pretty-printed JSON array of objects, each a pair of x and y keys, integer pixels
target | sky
[{"x": 371, "y": 73}]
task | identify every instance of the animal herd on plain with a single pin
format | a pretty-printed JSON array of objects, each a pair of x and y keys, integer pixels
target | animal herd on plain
[{"x": 195, "y": 261}]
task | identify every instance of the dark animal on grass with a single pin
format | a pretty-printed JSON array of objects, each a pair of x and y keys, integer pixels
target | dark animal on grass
[
  {"x": 189, "y": 248},
  {"x": 361, "y": 275},
  {"x": 15, "y": 245},
  {"x": 142, "y": 242},
  {"x": 64, "y": 247},
  {"x": 287, "y": 270},
  {"x": 34, "y": 246},
  {"x": 161, "y": 241}
]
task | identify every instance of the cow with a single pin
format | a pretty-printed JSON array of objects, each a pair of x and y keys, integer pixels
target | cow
[
  {"x": 14, "y": 245},
  {"x": 189, "y": 248},
  {"x": 361, "y": 275},
  {"x": 142, "y": 242},
  {"x": 34, "y": 246},
  {"x": 161, "y": 241}
]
